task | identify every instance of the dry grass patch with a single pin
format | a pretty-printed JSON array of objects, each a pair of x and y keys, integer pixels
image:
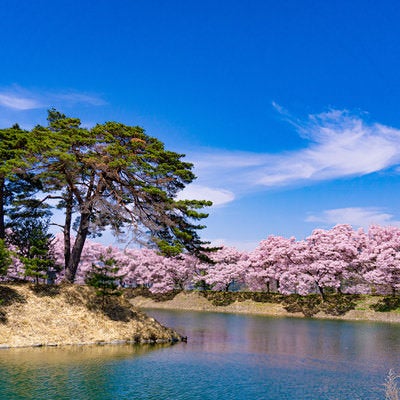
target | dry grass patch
[{"x": 71, "y": 315}]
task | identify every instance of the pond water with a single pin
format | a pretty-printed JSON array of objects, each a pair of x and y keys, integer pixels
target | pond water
[{"x": 227, "y": 357}]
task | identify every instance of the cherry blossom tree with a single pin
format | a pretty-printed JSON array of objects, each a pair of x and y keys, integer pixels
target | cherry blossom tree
[
  {"x": 146, "y": 267},
  {"x": 323, "y": 261},
  {"x": 381, "y": 258},
  {"x": 228, "y": 268},
  {"x": 292, "y": 278},
  {"x": 268, "y": 262},
  {"x": 339, "y": 259},
  {"x": 331, "y": 256},
  {"x": 91, "y": 253},
  {"x": 181, "y": 270}
]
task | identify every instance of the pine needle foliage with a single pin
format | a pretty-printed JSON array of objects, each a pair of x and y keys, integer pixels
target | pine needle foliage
[
  {"x": 103, "y": 277},
  {"x": 115, "y": 176}
]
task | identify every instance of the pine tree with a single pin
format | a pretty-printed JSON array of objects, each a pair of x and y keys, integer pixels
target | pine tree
[
  {"x": 103, "y": 276},
  {"x": 28, "y": 224},
  {"x": 115, "y": 176},
  {"x": 13, "y": 160}
]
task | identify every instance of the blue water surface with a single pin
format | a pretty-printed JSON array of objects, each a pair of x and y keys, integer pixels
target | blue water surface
[{"x": 227, "y": 356}]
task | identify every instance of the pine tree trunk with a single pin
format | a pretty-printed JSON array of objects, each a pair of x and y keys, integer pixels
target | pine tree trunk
[
  {"x": 67, "y": 229},
  {"x": 76, "y": 252}
]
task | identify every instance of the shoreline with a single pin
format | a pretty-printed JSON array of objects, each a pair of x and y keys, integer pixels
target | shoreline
[
  {"x": 192, "y": 301},
  {"x": 59, "y": 316},
  {"x": 97, "y": 344}
]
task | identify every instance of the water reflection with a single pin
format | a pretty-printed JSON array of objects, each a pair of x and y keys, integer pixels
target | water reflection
[
  {"x": 374, "y": 344},
  {"x": 71, "y": 372},
  {"x": 227, "y": 357},
  {"x": 46, "y": 356},
  {"x": 287, "y": 358}
]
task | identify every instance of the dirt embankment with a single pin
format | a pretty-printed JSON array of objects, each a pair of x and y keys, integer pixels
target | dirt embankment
[
  {"x": 73, "y": 314},
  {"x": 193, "y": 301}
]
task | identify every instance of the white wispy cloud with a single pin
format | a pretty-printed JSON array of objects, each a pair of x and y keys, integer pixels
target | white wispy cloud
[
  {"x": 18, "y": 102},
  {"x": 198, "y": 192},
  {"x": 340, "y": 145},
  {"x": 355, "y": 216},
  {"x": 226, "y": 169},
  {"x": 21, "y": 99},
  {"x": 78, "y": 98}
]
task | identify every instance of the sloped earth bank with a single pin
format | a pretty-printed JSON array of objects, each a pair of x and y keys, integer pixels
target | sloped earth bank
[
  {"x": 72, "y": 315},
  {"x": 355, "y": 307}
]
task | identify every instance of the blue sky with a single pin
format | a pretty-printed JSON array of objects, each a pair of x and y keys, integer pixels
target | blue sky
[{"x": 288, "y": 109}]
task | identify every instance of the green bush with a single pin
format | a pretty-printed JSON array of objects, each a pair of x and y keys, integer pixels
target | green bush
[{"x": 388, "y": 303}]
